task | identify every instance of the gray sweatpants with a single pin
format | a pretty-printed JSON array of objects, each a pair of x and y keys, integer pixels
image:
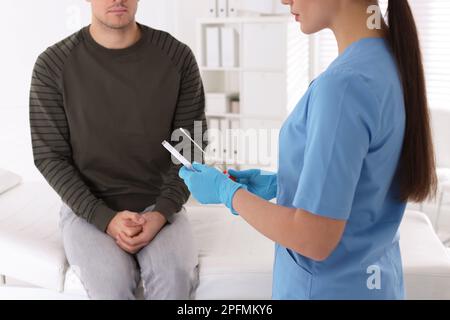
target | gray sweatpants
[{"x": 167, "y": 266}]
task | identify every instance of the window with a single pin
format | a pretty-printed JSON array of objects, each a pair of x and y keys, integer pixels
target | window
[{"x": 432, "y": 18}]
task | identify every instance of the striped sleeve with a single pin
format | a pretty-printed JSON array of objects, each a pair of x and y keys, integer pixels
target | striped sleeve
[
  {"x": 189, "y": 114},
  {"x": 51, "y": 140}
]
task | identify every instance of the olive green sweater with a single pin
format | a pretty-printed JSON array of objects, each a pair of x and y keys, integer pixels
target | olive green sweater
[{"x": 98, "y": 117}]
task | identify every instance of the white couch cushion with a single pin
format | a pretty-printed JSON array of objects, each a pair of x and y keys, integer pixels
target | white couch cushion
[
  {"x": 235, "y": 260},
  {"x": 23, "y": 293},
  {"x": 426, "y": 261},
  {"x": 8, "y": 180}
]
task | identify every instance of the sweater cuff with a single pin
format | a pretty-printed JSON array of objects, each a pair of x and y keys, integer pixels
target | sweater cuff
[
  {"x": 102, "y": 216},
  {"x": 167, "y": 208}
]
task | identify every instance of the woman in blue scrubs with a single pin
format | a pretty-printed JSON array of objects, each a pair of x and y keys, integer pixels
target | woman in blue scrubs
[{"x": 356, "y": 148}]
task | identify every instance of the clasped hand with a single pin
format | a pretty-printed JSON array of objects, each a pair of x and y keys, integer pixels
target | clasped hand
[{"x": 133, "y": 231}]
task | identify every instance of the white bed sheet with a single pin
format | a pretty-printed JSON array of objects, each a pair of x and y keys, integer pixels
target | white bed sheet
[{"x": 235, "y": 261}]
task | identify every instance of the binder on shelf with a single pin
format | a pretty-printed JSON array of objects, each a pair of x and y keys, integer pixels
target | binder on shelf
[
  {"x": 233, "y": 7},
  {"x": 226, "y": 155},
  {"x": 213, "y": 47},
  {"x": 235, "y": 126},
  {"x": 229, "y": 47},
  {"x": 212, "y": 8},
  {"x": 224, "y": 125},
  {"x": 213, "y": 150},
  {"x": 213, "y": 124},
  {"x": 222, "y": 8}
]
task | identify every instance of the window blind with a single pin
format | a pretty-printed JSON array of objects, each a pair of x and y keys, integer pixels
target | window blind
[{"x": 432, "y": 18}]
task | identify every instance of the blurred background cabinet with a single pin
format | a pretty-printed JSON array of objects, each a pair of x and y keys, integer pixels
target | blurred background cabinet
[{"x": 269, "y": 77}]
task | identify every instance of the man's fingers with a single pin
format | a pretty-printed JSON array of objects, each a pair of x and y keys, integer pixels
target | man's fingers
[
  {"x": 141, "y": 239},
  {"x": 131, "y": 224},
  {"x": 125, "y": 239},
  {"x": 125, "y": 246},
  {"x": 134, "y": 217},
  {"x": 132, "y": 241},
  {"x": 132, "y": 231}
]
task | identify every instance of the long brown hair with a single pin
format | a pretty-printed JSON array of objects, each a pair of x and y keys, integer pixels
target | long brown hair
[{"x": 416, "y": 172}]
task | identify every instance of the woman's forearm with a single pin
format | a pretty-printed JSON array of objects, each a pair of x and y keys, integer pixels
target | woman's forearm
[
  {"x": 308, "y": 234},
  {"x": 273, "y": 221}
]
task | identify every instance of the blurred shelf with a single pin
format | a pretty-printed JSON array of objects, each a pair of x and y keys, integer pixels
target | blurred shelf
[
  {"x": 225, "y": 69},
  {"x": 238, "y": 69},
  {"x": 247, "y": 19},
  {"x": 242, "y": 116}
]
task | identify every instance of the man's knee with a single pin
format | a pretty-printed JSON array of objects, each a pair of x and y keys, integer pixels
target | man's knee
[
  {"x": 170, "y": 282},
  {"x": 110, "y": 285},
  {"x": 105, "y": 270},
  {"x": 169, "y": 264}
]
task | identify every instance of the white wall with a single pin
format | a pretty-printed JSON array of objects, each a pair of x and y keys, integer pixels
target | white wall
[
  {"x": 32, "y": 25},
  {"x": 187, "y": 14},
  {"x": 29, "y": 28}
]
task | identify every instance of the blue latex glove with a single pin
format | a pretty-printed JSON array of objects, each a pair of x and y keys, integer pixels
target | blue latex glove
[
  {"x": 261, "y": 183},
  {"x": 210, "y": 186}
]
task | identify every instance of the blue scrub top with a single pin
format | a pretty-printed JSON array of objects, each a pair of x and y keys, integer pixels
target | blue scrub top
[{"x": 338, "y": 154}]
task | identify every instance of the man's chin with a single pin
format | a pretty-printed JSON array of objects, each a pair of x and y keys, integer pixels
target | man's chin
[{"x": 118, "y": 25}]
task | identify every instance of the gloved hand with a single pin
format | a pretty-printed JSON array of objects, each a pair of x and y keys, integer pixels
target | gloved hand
[
  {"x": 261, "y": 183},
  {"x": 210, "y": 186}
]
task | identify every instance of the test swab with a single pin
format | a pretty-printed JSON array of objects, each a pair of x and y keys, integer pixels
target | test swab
[
  {"x": 195, "y": 143},
  {"x": 178, "y": 155},
  {"x": 200, "y": 148}
]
